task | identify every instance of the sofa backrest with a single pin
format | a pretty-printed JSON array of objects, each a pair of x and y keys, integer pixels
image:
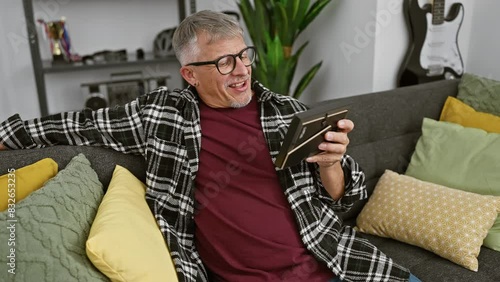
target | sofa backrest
[
  {"x": 102, "y": 160},
  {"x": 388, "y": 125}
]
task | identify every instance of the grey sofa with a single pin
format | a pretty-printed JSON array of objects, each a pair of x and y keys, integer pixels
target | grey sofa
[{"x": 387, "y": 127}]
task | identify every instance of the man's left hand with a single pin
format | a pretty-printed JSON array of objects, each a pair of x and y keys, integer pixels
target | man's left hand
[{"x": 335, "y": 145}]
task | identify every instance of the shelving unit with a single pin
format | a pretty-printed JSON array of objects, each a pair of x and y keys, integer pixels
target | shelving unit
[
  {"x": 41, "y": 68},
  {"x": 48, "y": 67}
]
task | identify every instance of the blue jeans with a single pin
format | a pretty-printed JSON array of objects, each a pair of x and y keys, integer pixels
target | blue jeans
[{"x": 412, "y": 279}]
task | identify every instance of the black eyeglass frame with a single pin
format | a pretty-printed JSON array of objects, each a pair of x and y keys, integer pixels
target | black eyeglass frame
[{"x": 216, "y": 61}]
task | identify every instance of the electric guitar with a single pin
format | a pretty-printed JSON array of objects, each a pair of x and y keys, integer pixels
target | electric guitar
[{"x": 433, "y": 53}]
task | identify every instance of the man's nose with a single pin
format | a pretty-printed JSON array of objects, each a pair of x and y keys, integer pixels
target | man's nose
[{"x": 240, "y": 68}]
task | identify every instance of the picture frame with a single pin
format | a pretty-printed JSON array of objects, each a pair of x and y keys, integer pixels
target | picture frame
[{"x": 306, "y": 132}]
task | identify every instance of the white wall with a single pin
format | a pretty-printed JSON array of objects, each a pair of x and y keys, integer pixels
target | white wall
[
  {"x": 389, "y": 52},
  {"x": 17, "y": 83},
  {"x": 344, "y": 72},
  {"x": 360, "y": 49},
  {"x": 484, "y": 45}
]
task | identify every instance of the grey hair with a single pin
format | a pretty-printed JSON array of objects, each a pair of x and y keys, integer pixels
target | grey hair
[{"x": 216, "y": 25}]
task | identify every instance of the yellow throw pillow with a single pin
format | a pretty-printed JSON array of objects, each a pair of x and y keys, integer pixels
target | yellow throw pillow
[
  {"x": 26, "y": 180},
  {"x": 125, "y": 242},
  {"x": 448, "y": 222},
  {"x": 457, "y": 111}
]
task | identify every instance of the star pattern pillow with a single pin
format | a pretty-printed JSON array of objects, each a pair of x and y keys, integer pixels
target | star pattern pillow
[{"x": 448, "y": 222}]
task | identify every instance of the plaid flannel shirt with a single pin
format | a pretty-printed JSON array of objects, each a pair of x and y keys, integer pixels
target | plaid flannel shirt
[{"x": 165, "y": 129}]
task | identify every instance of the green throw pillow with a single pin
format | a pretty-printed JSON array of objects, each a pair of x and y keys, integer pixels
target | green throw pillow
[
  {"x": 481, "y": 93},
  {"x": 459, "y": 157},
  {"x": 49, "y": 228}
]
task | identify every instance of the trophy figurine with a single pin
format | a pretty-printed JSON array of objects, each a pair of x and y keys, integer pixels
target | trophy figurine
[{"x": 59, "y": 40}]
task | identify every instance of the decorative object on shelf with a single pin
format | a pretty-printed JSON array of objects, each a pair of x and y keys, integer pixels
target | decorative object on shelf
[
  {"x": 139, "y": 54},
  {"x": 433, "y": 53},
  {"x": 95, "y": 99},
  {"x": 162, "y": 44},
  {"x": 60, "y": 43},
  {"x": 274, "y": 27},
  {"x": 120, "y": 89},
  {"x": 106, "y": 56}
]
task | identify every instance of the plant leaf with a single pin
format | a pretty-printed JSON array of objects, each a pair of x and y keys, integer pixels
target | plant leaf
[
  {"x": 275, "y": 51},
  {"x": 312, "y": 13},
  {"x": 294, "y": 9},
  {"x": 261, "y": 19},
  {"x": 306, "y": 79},
  {"x": 302, "y": 11},
  {"x": 273, "y": 24},
  {"x": 282, "y": 25}
]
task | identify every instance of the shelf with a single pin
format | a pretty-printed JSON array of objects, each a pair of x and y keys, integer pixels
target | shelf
[
  {"x": 43, "y": 67},
  {"x": 48, "y": 67}
]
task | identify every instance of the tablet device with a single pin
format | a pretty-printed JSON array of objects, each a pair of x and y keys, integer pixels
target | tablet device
[{"x": 306, "y": 132}]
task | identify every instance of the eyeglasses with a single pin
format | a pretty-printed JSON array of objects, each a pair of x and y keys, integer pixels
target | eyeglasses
[{"x": 227, "y": 63}]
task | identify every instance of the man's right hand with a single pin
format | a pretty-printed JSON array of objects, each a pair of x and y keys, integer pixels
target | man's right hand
[{"x": 2, "y": 147}]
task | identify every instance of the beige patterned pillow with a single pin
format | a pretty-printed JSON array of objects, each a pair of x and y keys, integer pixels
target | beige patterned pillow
[{"x": 448, "y": 222}]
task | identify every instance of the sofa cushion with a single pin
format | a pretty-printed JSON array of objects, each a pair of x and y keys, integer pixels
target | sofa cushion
[
  {"x": 459, "y": 157},
  {"x": 449, "y": 222},
  {"x": 481, "y": 93},
  {"x": 26, "y": 180},
  {"x": 457, "y": 111},
  {"x": 51, "y": 227},
  {"x": 125, "y": 242}
]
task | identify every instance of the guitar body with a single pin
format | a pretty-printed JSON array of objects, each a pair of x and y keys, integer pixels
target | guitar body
[{"x": 433, "y": 53}]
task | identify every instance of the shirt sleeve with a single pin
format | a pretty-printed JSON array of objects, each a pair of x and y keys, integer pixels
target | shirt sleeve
[
  {"x": 355, "y": 188},
  {"x": 119, "y": 128}
]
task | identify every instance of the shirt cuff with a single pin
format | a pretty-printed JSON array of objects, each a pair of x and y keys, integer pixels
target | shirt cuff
[
  {"x": 355, "y": 188},
  {"x": 13, "y": 134}
]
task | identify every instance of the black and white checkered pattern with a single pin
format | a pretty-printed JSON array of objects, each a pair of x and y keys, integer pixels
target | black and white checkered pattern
[{"x": 165, "y": 129}]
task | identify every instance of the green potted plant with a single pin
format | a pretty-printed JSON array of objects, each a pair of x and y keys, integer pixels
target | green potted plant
[{"x": 273, "y": 26}]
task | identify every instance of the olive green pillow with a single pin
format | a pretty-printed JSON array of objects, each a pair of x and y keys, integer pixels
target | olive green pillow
[
  {"x": 483, "y": 94},
  {"x": 49, "y": 228},
  {"x": 459, "y": 157}
]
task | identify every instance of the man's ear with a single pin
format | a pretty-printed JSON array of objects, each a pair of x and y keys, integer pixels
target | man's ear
[{"x": 188, "y": 74}]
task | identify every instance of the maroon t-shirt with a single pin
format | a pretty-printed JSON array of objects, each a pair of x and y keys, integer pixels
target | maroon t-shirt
[{"x": 245, "y": 229}]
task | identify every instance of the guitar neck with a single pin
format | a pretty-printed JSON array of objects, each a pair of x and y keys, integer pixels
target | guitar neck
[{"x": 438, "y": 12}]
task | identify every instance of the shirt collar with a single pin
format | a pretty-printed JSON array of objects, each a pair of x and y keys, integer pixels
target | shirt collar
[{"x": 263, "y": 94}]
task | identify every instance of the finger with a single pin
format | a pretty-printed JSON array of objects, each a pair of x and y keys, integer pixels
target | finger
[
  {"x": 345, "y": 125},
  {"x": 325, "y": 159},
  {"x": 337, "y": 137},
  {"x": 333, "y": 148}
]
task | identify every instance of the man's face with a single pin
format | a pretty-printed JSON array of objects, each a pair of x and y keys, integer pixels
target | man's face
[{"x": 232, "y": 90}]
